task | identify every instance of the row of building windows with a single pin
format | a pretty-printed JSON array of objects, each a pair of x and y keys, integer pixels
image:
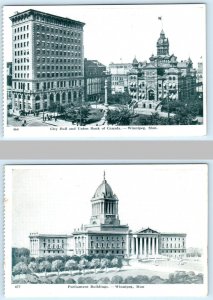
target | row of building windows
[
  {"x": 44, "y": 37},
  {"x": 59, "y": 84},
  {"x": 172, "y": 251},
  {"x": 53, "y": 240},
  {"x": 57, "y": 60},
  {"x": 53, "y": 251},
  {"x": 21, "y": 36},
  {"x": 53, "y": 246},
  {"x": 48, "y": 75},
  {"x": 22, "y": 75},
  {"x": 172, "y": 238},
  {"x": 107, "y": 251},
  {"x": 21, "y": 28},
  {"x": 56, "y": 30},
  {"x": 20, "y": 45},
  {"x": 20, "y": 68},
  {"x": 102, "y": 245},
  {"x": 112, "y": 238},
  {"x": 172, "y": 245},
  {"x": 22, "y": 52},
  {"x": 56, "y": 45},
  {"x": 21, "y": 60},
  {"x": 61, "y": 67},
  {"x": 56, "y": 52}
]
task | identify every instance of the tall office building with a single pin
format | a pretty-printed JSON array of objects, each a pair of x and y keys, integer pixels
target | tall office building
[{"x": 48, "y": 60}]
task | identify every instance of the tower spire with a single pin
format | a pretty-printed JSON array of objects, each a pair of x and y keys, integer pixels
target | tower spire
[{"x": 104, "y": 175}]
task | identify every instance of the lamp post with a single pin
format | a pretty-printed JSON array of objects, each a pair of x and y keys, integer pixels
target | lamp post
[
  {"x": 23, "y": 98},
  {"x": 43, "y": 101}
]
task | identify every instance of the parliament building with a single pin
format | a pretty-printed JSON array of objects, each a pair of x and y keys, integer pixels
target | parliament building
[{"x": 106, "y": 235}]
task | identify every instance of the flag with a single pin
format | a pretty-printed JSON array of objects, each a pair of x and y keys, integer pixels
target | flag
[{"x": 160, "y": 18}]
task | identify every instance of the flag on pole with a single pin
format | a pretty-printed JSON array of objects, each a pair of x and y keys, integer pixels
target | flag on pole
[{"x": 160, "y": 18}]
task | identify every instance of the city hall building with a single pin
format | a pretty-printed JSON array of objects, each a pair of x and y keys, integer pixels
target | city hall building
[
  {"x": 47, "y": 61},
  {"x": 106, "y": 235},
  {"x": 161, "y": 78}
]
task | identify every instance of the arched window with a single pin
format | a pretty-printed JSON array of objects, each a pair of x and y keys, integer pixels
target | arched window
[
  {"x": 63, "y": 97},
  {"x": 57, "y": 97},
  {"x": 151, "y": 95}
]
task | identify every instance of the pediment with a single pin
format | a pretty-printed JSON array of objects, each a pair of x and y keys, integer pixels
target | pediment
[{"x": 147, "y": 231}]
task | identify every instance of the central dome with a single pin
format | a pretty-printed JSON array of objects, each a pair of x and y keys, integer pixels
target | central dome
[{"x": 104, "y": 190}]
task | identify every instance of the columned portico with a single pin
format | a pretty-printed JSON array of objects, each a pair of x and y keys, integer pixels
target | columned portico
[{"x": 144, "y": 243}]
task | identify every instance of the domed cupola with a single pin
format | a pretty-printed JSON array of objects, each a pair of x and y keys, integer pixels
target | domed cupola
[
  {"x": 104, "y": 190},
  {"x": 162, "y": 44},
  {"x": 104, "y": 205}
]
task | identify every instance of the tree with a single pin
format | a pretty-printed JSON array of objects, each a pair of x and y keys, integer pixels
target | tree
[
  {"x": 57, "y": 265},
  {"x": 33, "y": 267},
  {"x": 95, "y": 263},
  {"x": 71, "y": 265},
  {"x": 119, "y": 117},
  {"x": 83, "y": 263},
  {"x": 20, "y": 254},
  {"x": 105, "y": 262},
  {"x": 119, "y": 98},
  {"x": 20, "y": 268},
  {"x": 45, "y": 266},
  {"x": 114, "y": 262}
]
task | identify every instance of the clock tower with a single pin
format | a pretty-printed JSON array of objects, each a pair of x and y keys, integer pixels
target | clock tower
[{"x": 162, "y": 44}]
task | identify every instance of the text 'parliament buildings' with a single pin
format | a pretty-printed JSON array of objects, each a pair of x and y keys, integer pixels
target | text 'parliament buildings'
[
  {"x": 105, "y": 235},
  {"x": 48, "y": 68}
]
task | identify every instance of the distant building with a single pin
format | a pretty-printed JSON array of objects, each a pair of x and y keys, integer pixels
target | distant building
[
  {"x": 163, "y": 77},
  {"x": 9, "y": 85},
  {"x": 200, "y": 79},
  {"x": 119, "y": 72},
  {"x": 48, "y": 60},
  {"x": 106, "y": 235},
  {"x": 94, "y": 81}
]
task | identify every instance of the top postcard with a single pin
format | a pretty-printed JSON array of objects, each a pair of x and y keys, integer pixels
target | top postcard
[{"x": 105, "y": 71}]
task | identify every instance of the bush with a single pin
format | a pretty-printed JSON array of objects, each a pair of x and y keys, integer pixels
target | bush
[
  {"x": 86, "y": 280},
  {"x": 156, "y": 280},
  {"x": 44, "y": 280},
  {"x": 104, "y": 280},
  {"x": 183, "y": 277},
  {"x": 129, "y": 280},
  {"x": 117, "y": 279},
  {"x": 32, "y": 278},
  {"x": 70, "y": 281},
  {"x": 142, "y": 279},
  {"x": 59, "y": 280},
  {"x": 20, "y": 281}
]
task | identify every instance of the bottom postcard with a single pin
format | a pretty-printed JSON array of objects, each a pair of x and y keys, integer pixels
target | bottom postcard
[{"x": 127, "y": 230}]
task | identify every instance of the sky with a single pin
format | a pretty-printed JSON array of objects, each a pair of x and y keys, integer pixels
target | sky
[
  {"x": 119, "y": 33},
  {"x": 56, "y": 199}
]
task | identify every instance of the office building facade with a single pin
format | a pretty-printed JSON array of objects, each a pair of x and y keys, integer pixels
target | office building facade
[{"x": 48, "y": 61}]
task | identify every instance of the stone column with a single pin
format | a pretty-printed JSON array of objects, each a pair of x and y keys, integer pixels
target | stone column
[
  {"x": 145, "y": 250},
  {"x": 127, "y": 245},
  {"x": 136, "y": 246},
  {"x": 48, "y": 100},
  {"x": 141, "y": 240},
  {"x": 157, "y": 252},
  {"x": 149, "y": 246},
  {"x": 153, "y": 245}
]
